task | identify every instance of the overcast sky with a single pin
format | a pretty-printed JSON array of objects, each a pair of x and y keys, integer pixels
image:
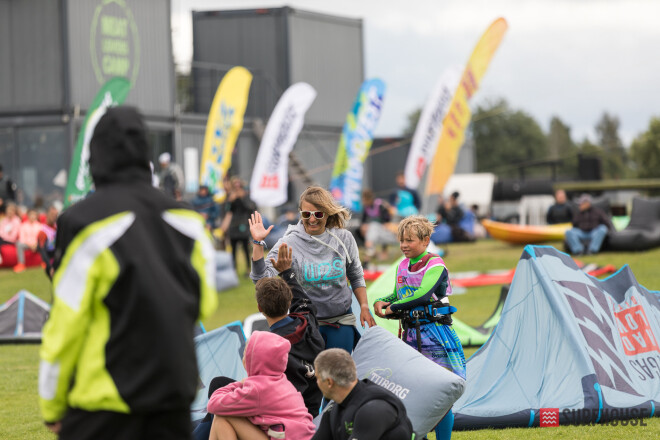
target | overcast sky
[{"x": 574, "y": 59}]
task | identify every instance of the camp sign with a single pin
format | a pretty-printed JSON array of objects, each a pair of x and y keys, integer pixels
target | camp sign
[{"x": 114, "y": 42}]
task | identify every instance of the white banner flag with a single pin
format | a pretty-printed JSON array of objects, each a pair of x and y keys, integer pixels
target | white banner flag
[
  {"x": 270, "y": 174},
  {"x": 429, "y": 126}
]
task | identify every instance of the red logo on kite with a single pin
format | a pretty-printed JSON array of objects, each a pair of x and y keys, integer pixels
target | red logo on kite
[
  {"x": 549, "y": 417},
  {"x": 636, "y": 334}
]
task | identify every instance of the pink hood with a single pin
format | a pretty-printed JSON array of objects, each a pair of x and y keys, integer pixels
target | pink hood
[
  {"x": 266, "y": 354},
  {"x": 266, "y": 397}
]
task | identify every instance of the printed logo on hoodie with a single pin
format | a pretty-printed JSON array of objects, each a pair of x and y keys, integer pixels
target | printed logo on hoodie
[{"x": 323, "y": 275}]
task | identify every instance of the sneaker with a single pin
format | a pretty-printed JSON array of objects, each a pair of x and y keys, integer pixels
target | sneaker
[{"x": 19, "y": 268}]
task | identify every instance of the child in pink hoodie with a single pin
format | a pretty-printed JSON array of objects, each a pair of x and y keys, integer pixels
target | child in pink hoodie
[
  {"x": 265, "y": 403},
  {"x": 28, "y": 232}
]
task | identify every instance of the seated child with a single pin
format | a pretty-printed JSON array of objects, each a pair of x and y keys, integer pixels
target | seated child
[
  {"x": 420, "y": 301},
  {"x": 28, "y": 232},
  {"x": 264, "y": 405},
  {"x": 46, "y": 239},
  {"x": 291, "y": 314},
  {"x": 9, "y": 224}
]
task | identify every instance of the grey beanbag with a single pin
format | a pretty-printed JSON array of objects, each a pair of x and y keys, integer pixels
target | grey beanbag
[{"x": 427, "y": 390}]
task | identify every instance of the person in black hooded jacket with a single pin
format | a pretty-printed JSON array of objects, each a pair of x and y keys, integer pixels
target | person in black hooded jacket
[
  {"x": 291, "y": 314},
  {"x": 134, "y": 271}
]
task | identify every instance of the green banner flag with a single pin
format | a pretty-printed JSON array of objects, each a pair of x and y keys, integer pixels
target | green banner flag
[{"x": 112, "y": 93}]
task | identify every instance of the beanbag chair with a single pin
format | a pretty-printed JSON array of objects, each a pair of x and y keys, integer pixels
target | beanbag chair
[
  {"x": 643, "y": 230},
  {"x": 426, "y": 389},
  {"x": 9, "y": 258}
]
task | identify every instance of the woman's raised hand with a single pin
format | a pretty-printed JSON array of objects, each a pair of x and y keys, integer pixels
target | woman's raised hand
[{"x": 257, "y": 227}]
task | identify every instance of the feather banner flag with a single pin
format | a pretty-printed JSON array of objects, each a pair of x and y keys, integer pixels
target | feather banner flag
[
  {"x": 113, "y": 93},
  {"x": 427, "y": 132},
  {"x": 354, "y": 144},
  {"x": 270, "y": 175},
  {"x": 222, "y": 129},
  {"x": 458, "y": 116}
]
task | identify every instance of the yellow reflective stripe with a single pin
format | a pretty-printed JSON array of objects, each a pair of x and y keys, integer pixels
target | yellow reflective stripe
[
  {"x": 192, "y": 225},
  {"x": 76, "y": 282},
  {"x": 208, "y": 300},
  {"x": 71, "y": 277},
  {"x": 94, "y": 387}
]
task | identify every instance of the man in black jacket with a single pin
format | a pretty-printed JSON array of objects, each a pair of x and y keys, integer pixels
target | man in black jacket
[
  {"x": 562, "y": 211},
  {"x": 361, "y": 409},
  {"x": 134, "y": 271},
  {"x": 291, "y": 314}
]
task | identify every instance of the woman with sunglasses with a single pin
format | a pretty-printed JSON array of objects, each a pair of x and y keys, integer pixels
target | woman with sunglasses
[{"x": 325, "y": 255}]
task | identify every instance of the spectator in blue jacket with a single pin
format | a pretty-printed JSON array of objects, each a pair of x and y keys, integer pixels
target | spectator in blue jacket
[{"x": 206, "y": 206}]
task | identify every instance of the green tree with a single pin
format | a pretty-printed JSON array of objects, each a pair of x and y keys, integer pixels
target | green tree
[
  {"x": 645, "y": 151},
  {"x": 562, "y": 147},
  {"x": 413, "y": 119},
  {"x": 505, "y": 138},
  {"x": 184, "y": 96},
  {"x": 588, "y": 148},
  {"x": 615, "y": 156}
]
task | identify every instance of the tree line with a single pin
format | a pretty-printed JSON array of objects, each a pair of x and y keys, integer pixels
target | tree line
[{"x": 506, "y": 139}]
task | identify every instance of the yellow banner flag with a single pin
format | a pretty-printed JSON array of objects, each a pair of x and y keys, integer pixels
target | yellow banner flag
[
  {"x": 222, "y": 129},
  {"x": 458, "y": 116}
]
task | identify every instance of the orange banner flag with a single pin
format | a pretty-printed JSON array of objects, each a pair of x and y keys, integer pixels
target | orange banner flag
[{"x": 458, "y": 116}]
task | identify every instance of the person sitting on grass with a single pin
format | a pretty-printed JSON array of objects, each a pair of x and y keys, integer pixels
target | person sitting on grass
[
  {"x": 590, "y": 224},
  {"x": 420, "y": 301},
  {"x": 374, "y": 228},
  {"x": 361, "y": 409},
  {"x": 291, "y": 314},
  {"x": 9, "y": 225},
  {"x": 46, "y": 239},
  {"x": 562, "y": 211},
  {"x": 28, "y": 233},
  {"x": 265, "y": 404}
]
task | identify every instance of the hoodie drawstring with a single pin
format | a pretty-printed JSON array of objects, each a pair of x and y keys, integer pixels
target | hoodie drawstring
[{"x": 348, "y": 257}]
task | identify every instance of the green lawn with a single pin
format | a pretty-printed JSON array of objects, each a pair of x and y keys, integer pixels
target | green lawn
[{"x": 19, "y": 416}]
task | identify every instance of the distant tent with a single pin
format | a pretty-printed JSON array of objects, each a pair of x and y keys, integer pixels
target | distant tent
[
  {"x": 22, "y": 318},
  {"x": 219, "y": 353},
  {"x": 568, "y": 346}
]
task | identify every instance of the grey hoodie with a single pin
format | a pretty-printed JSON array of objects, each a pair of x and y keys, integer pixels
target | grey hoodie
[{"x": 321, "y": 264}]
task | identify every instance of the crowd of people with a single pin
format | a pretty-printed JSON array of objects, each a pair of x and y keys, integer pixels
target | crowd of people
[
  {"x": 27, "y": 235},
  {"x": 133, "y": 270}
]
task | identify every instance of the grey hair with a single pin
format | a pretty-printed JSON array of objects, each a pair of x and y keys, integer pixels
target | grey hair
[{"x": 337, "y": 364}]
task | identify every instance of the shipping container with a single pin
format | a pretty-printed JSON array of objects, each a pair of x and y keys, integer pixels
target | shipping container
[
  {"x": 54, "y": 58},
  {"x": 280, "y": 46}
]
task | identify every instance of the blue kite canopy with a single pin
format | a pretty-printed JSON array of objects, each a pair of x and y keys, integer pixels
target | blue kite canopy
[
  {"x": 219, "y": 353},
  {"x": 568, "y": 344},
  {"x": 22, "y": 318}
]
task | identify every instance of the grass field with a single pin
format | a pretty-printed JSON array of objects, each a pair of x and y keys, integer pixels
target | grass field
[{"x": 19, "y": 416}]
